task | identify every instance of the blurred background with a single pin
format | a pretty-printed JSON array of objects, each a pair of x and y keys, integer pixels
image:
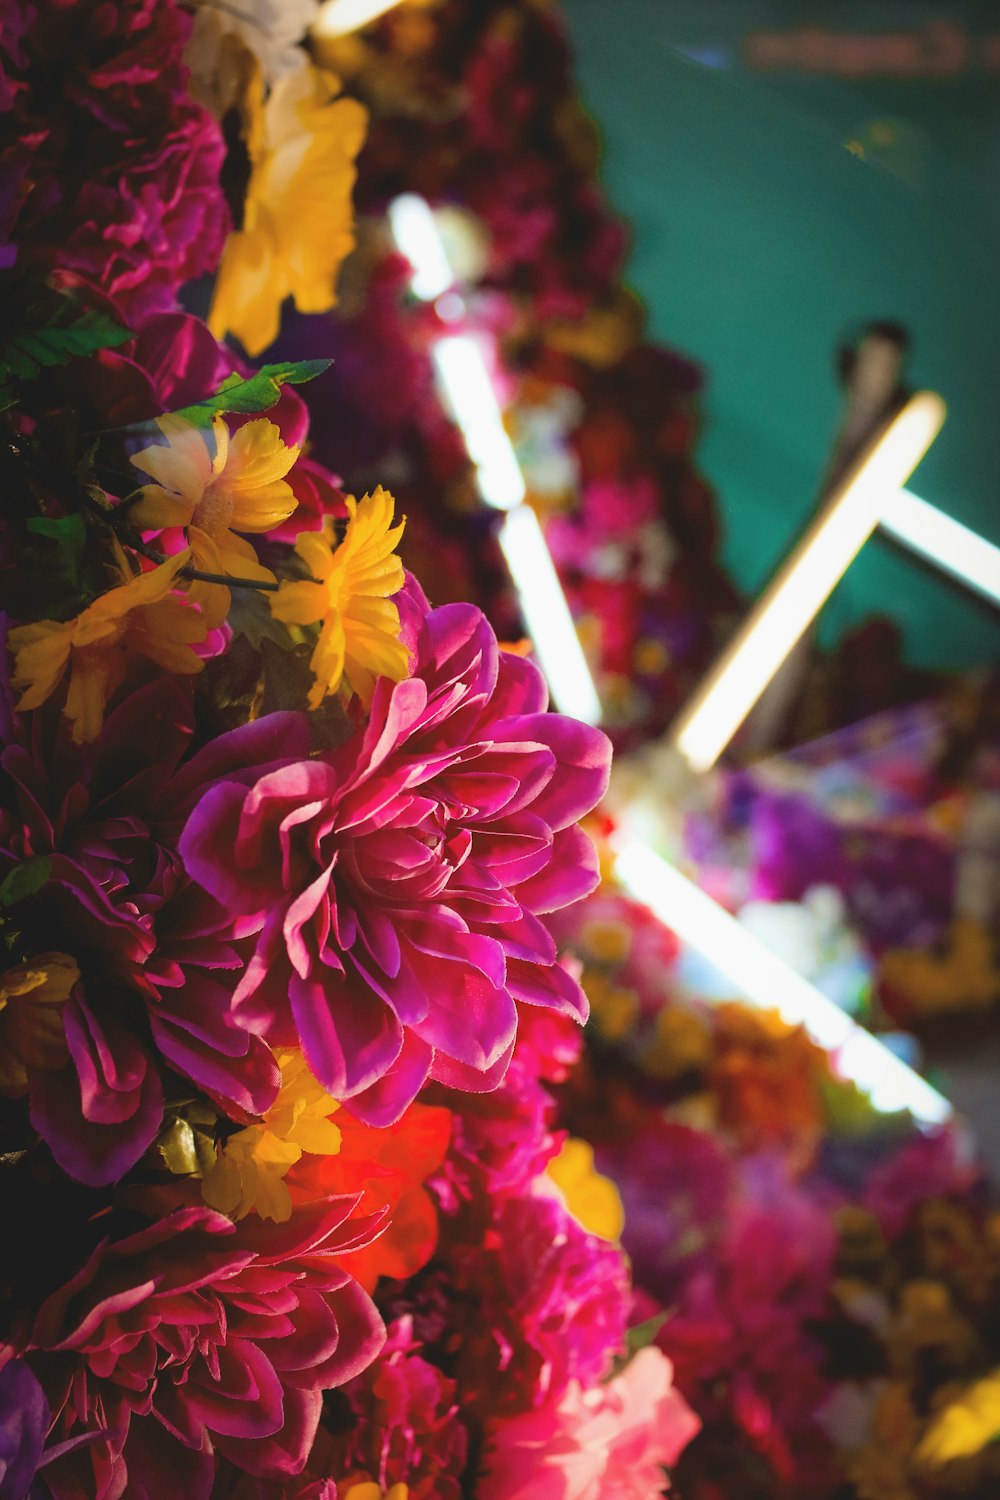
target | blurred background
[{"x": 789, "y": 170}]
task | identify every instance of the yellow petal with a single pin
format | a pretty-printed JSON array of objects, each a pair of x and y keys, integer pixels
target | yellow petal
[
  {"x": 94, "y": 676},
  {"x": 182, "y": 464},
  {"x": 593, "y": 1200},
  {"x": 301, "y": 603},
  {"x": 157, "y": 509},
  {"x": 41, "y": 652}
]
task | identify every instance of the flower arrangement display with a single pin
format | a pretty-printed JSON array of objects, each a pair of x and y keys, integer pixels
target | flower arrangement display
[
  {"x": 474, "y": 107},
  {"x": 317, "y": 1188},
  {"x": 280, "y": 1007},
  {"x": 823, "y": 1277}
]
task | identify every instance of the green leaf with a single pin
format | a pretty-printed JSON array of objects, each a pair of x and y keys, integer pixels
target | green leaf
[
  {"x": 25, "y": 879},
  {"x": 69, "y": 537},
  {"x": 644, "y": 1334},
  {"x": 258, "y": 392},
  {"x": 69, "y": 334}
]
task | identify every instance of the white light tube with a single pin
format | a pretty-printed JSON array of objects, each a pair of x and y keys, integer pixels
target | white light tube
[
  {"x": 414, "y": 228},
  {"x": 944, "y": 542},
  {"x": 769, "y": 983},
  {"x": 547, "y": 616},
  {"x": 801, "y": 587},
  {"x": 339, "y": 17},
  {"x": 468, "y": 390}
]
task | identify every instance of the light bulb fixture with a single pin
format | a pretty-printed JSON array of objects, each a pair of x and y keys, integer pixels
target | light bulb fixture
[
  {"x": 770, "y": 984},
  {"x": 943, "y": 542},
  {"x": 468, "y": 391},
  {"x": 547, "y": 616},
  {"x": 341, "y": 17},
  {"x": 804, "y": 583},
  {"x": 414, "y": 228},
  {"x": 464, "y": 378}
]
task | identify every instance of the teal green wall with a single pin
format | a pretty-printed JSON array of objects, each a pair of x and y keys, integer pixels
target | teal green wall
[{"x": 759, "y": 240}]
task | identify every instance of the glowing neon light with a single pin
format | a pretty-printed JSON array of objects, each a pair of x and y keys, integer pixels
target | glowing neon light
[
  {"x": 340, "y": 17},
  {"x": 944, "y": 542},
  {"x": 802, "y": 586},
  {"x": 768, "y": 982}
]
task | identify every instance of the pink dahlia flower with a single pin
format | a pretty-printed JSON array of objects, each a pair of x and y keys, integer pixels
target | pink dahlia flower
[
  {"x": 407, "y": 1424},
  {"x": 611, "y": 1442},
  {"x": 194, "y": 1338},
  {"x": 399, "y": 881},
  {"x": 110, "y": 168},
  {"x": 155, "y": 954}
]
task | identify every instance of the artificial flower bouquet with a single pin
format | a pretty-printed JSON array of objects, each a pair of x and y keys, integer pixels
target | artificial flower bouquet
[{"x": 288, "y": 1214}]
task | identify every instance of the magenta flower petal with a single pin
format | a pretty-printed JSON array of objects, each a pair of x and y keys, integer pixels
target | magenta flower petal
[{"x": 431, "y": 838}]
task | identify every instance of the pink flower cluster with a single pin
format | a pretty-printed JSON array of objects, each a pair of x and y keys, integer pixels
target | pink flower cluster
[
  {"x": 107, "y": 168},
  {"x": 398, "y": 882}
]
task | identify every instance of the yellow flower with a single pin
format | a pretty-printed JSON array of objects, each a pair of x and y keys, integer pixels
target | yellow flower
[
  {"x": 368, "y": 1490},
  {"x": 681, "y": 1043},
  {"x": 142, "y": 617},
  {"x": 298, "y": 219},
  {"x": 239, "y": 487},
  {"x": 348, "y": 595},
  {"x": 613, "y": 1007},
  {"x": 965, "y": 1426},
  {"x": 592, "y": 1199},
  {"x": 32, "y": 996},
  {"x": 250, "y": 1168}
]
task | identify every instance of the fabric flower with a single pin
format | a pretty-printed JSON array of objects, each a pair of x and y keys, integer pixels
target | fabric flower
[
  {"x": 406, "y": 1420},
  {"x": 593, "y": 1200},
  {"x": 24, "y": 1424},
  {"x": 250, "y": 1169},
  {"x": 24, "y": 1421},
  {"x": 241, "y": 487},
  {"x": 298, "y": 217},
  {"x": 390, "y": 1167},
  {"x": 965, "y": 1425},
  {"x": 144, "y": 616},
  {"x": 156, "y": 955},
  {"x": 399, "y": 880},
  {"x": 192, "y": 1338},
  {"x": 271, "y": 31},
  {"x": 113, "y": 169},
  {"x": 32, "y": 1034},
  {"x": 368, "y": 1490},
  {"x": 611, "y": 1442},
  {"x": 349, "y": 596}
]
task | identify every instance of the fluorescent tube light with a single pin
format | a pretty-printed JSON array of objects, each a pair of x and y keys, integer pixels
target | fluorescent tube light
[
  {"x": 769, "y": 983},
  {"x": 547, "y": 616},
  {"x": 339, "y": 17},
  {"x": 944, "y": 542},
  {"x": 414, "y": 228},
  {"x": 802, "y": 586},
  {"x": 468, "y": 390}
]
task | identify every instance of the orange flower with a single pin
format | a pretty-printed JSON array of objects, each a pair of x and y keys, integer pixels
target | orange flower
[
  {"x": 348, "y": 596},
  {"x": 241, "y": 486},
  {"x": 768, "y": 1079},
  {"x": 389, "y": 1166},
  {"x": 142, "y": 617},
  {"x": 32, "y": 996}
]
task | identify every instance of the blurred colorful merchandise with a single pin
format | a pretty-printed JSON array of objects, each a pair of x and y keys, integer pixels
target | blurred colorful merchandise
[
  {"x": 831, "y": 1275},
  {"x": 899, "y": 816}
]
